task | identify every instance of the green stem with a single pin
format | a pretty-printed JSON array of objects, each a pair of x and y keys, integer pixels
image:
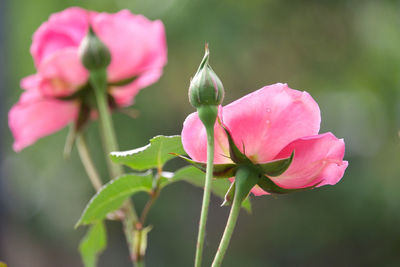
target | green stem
[
  {"x": 246, "y": 178},
  {"x": 98, "y": 80},
  {"x": 88, "y": 162},
  {"x": 146, "y": 209},
  {"x": 206, "y": 196},
  {"x": 230, "y": 225}
]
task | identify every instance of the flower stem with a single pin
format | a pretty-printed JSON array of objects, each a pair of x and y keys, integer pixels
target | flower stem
[
  {"x": 230, "y": 225},
  {"x": 246, "y": 178},
  {"x": 98, "y": 80},
  {"x": 206, "y": 196},
  {"x": 88, "y": 162}
]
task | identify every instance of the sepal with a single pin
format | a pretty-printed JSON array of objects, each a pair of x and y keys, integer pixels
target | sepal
[
  {"x": 220, "y": 170},
  {"x": 235, "y": 154},
  {"x": 276, "y": 167},
  {"x": 269, "y": 186}
]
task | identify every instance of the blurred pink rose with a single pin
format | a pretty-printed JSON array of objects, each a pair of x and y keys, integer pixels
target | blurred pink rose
[
  {"x": 51, "y": 99},
  {"x": 267, "y": 125}
]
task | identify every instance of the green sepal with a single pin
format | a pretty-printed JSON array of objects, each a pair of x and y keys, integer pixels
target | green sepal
[
  {"x": 81, "y": 93},
  {"x": 276, "y": 167},
  {"x": 235, "y": 154},
  {"x": 123, "y": 82},
  {"x": 153, "y": 155},
  {"x": 220, "y": 170},
  {"x": 269, "y": 186}
]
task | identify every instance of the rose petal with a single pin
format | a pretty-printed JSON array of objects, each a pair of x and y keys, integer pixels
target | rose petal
[
  {"x": 268, "y": 119},
  {"x": 124, "y": 95},
  {"x": 31, "y": 82},
  {"x": 136, "y": 43},
  {"x": 64, "y": 29},
  {"x": 317, "y": 159},
  {"x": 194, "y": 140},
  {"x": 62, "y": 73},
  {"x": 34, "y": 117}
]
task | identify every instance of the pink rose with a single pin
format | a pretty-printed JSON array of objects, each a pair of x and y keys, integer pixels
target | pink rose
[
  {"x": 53, "y": 98},
  {"x": 269, "y": 124}
]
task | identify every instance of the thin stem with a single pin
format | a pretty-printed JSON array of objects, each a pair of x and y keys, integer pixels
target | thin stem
[
  {"x": 129, "y": 222},
  {"x": 206, "y": 196},
  {"x": 230, "y": 225},
  {"x": 99, "y": 81},
  {"x": 146, "y": 209},
  {"x": 106, "y": 125},
  {"x": 88, "y": 162}
]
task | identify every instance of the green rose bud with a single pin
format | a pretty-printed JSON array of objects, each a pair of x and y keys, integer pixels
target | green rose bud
[
  {"x": 205, "y": 87},
  {"x": 93, "y": 52}
]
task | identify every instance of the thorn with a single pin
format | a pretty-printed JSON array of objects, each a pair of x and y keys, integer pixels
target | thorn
[{"x": 206, "y": 48}]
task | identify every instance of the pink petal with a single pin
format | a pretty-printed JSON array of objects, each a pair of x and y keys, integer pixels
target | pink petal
[
  {"x": 257, "y": 191},
  {"x": 268, "y": 119},
  {"x": 137, "y": 44},
  {"x": 194, "y": 140},
  {"x": 317, "y": 159},
  {"x": 64, "y": 29},
  {"x": 124, "y": 95},
  {"x": 34, "y": 117},
  {"x": 31, "y": 82},
  {"x": 62, "y": 73}
]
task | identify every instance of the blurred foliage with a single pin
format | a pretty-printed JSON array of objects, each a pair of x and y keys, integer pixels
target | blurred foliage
[{"x": 345, "y": 53}]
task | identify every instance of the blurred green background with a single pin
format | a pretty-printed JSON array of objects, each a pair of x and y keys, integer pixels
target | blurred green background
[{"x": 345, "y": 53}]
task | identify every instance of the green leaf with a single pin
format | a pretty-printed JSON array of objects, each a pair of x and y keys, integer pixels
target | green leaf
[
  {"x": 93, "y": 244},
  {"x": 276, "y": 167},
  {"x": 219, "y": 171},
  {"x": 113, "y": 194},
  {"x": 153, "y": 155},
  {"x": 196, "y": 177},
  {"x": 2, "y": 264}
]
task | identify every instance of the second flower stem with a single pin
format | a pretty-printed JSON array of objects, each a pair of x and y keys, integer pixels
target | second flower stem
[
  {"x": 88, "y": 162},
  {"x": 206, "y": 196},
  {"x": 230, "y": 226}
]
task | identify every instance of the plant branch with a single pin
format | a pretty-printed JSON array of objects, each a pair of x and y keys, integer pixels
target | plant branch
[
  {"x": 206, "y": 196},
  {"x": 230, "y": 226},
  {"x": 88, "y": 162}
]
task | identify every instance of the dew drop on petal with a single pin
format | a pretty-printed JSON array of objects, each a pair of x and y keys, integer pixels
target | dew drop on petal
[{"x": 268, "y": 110}]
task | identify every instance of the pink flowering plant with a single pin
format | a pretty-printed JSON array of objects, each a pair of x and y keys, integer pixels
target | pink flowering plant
[
  {"x": 137, "y": 47},
  {"x": 89, "y": 64}
]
